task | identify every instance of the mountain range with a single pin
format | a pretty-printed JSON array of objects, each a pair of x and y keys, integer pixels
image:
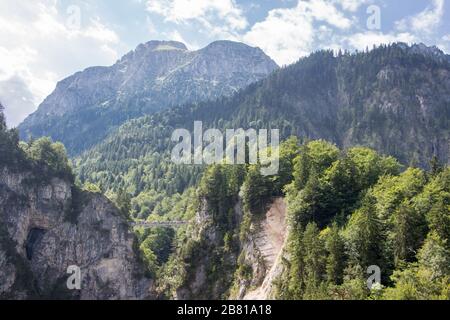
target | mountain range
[{"x": 363, "y": 180}]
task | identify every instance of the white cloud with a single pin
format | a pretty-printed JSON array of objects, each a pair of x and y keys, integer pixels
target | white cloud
[
  {"x": 209, "y": 13},
  {"x": 426, "y": 21},
  {"x": 38, "y": 47},
  {"x": 288, "y": 34},
  {"x": 16, "y": 93},
  {"x": 416, "y": 28},
  {"x": 282, "y": 35},
  {"x": 444, "y": 43},
  {"x": 176, "y": 36},
  {"x": 368, "y": 39},
  {"x": 351, "y": 5}
]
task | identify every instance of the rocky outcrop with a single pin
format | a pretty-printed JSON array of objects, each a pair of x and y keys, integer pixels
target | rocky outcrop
[
  {"x": 262, "y": 252},
  {"x": 210, "y": 268},
  {"x": 47, "y": 225}
]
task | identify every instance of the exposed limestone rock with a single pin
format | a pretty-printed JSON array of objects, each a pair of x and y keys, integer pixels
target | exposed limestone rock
[
  {"x": 42, "y": 234},
  {"x": 263, "y": 252}
]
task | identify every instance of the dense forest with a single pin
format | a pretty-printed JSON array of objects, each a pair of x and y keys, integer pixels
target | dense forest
[
  {"x": 352, "y": 210},
  {"x": 347, "y": 210}
]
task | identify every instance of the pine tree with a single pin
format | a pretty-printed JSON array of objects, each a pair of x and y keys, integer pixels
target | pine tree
[
  {"x": 296, "y": 281},
  {"x": 409, "y": 232},
  {"x": 336, "y": 255},
  {"x": 365, "y": 239},
  {"x": 123, "y": 203},
  {"x": 256, "y": 191},
  {"x": 313, "y": 259},
  {"x": 435, "y": 166}
]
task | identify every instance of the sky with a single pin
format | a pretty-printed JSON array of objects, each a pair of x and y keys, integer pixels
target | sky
[{"x": 44, "y": 41}]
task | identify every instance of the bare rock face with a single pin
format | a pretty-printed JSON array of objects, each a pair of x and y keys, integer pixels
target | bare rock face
[
  {"x": 263, "y": 251},
  {"x": 47, "y": 226},
  {"x": 205, "y": 278}
]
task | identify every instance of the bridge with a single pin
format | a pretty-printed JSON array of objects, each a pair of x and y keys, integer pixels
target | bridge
[{"x": 156, "y": 224}]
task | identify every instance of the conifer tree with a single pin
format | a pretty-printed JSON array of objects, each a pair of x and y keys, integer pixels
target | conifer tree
[{"x": 336, "y": 256}]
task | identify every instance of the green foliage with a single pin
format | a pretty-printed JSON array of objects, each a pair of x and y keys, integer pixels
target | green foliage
[
  {"x": 156, "y": 248},
  {"x": 92, "y": 188},
  {"x": 329, "y": 185},
  {"x": 434, "y": 202},
  {"x": 314, "y": 158},
  {"x": 288, "y": 151},
  {"x": 150, "y": 259},
  {"x": 220, "y": 187},
  {"x": 434, "y": 256},
  {"x": 313, "y": 261},
  {"x": 423, "y": 280},
  {"x": 357, "y": 211},
  {"x": 42, "y": 157},
  {"x": 409, "y": 230},
  {"x": 10, "y": 154},
  {"x": 335, "y": 247},
  {"x": 256, "y": 191},
  {"x": 364, "y": 237},
  {"x": 296, "y": 281},
  {"x": 50, "y": 155},
  {"x": 123, "y": 203}
]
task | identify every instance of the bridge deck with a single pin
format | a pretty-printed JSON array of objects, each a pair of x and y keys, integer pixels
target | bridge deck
[{"x": 159, "y": 224}]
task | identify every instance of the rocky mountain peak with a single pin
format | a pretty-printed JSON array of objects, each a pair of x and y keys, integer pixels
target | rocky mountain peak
[
  {"x": 150, "y": 48},
  {"x": 155, "y": 76},
  {"x": 227, "y": 44},
  {"x": 157, "y": 45},
  {"x": 423, "y": 49},
  {"x": 426, "y": 50}
]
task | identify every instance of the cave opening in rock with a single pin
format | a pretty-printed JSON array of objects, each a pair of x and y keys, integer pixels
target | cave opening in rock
[{"x": 34, "y": 238}]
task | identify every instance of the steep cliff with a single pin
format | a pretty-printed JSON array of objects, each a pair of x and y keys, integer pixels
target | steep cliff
[
  {"x": 248, "y": 269},
  {"x": 209, "y": 259},
  {"x": 265, "y": 250},
  {"x": 47, "y": 226}
]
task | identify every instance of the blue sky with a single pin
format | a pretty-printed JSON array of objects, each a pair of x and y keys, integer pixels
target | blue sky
[{"x": 44, "y": 41}]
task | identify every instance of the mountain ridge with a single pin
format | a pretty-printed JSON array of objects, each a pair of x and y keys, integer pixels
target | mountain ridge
[
  {"x": 389, "y": 99},
  {"x": 154, "y": 76}
]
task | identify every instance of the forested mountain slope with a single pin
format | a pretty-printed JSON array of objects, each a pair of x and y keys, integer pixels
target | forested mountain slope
[
  {"x": 347, "y": 213},
  {"x": 395, "y": 99},
  {"x": 155, "y": 76}
]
